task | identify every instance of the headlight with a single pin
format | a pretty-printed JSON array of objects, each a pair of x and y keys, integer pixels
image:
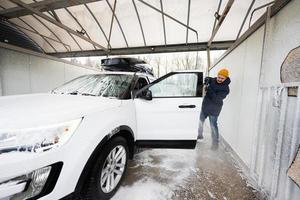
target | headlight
[{"x": 37, "y": 139}]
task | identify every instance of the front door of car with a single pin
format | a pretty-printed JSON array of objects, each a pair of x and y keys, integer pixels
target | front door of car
[{"x": 167, "y": 111}]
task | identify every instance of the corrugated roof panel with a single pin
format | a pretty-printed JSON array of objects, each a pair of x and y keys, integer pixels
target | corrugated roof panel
[
  {"x": 234, "y": 19},
  {"x": 33, "y": 22},
  {"x": 40, "y": 41},
  {"x": 12, "y": 35},
  {"x": 177, "y": 9},
  {"x": 67, "y": 20},
  {"x": 180, "y": 13},
  {"x": 129, "y": 21},
  {"x": 34, "y": 36},
  {"x": 28, "y": 1},
  {"x": 84, "y": 44},
  {"x": 202, "y": 18},
  {"x": 63, "y": 35},
  {"x": 152, "y": 22},
  {"x": 7, "y": 4},
  {"x": 256, "y": 15},
  {"x": 55, "y": 34},
  {"x": 117, "y": 39},
  {"x": 86, "y": 20},
  {"x": 175, "y": 33},
  {"x": 20, "y": 23},
  {"x": 102, "y": 13}
]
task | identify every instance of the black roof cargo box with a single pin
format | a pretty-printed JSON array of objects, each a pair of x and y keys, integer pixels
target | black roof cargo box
[{"x": 126, "y": 64}]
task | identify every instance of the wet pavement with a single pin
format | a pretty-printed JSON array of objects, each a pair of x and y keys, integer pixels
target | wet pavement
[{"x": 175, "y": 174}]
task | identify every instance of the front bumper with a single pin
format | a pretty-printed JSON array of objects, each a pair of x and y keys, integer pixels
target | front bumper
[
  {"x": 33, "y": 185},
  {"x": 11, "y": 188}
]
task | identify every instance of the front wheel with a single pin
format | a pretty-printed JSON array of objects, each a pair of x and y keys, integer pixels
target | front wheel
[{"x": 108, "y": 170}]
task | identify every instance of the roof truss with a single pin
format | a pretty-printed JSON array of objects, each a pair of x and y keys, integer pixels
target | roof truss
[
  {"x": 223, "y": 45},
  {"x": 42, "y": 6}
]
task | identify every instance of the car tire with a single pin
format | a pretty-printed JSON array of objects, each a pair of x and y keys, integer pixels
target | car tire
[{"x": 108, "y": 170}]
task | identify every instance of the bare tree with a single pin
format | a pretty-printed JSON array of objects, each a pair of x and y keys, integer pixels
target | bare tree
[
  {"x": 188, "y": 62},
  {"x": 177, "y": 63},
  {"x": 88, "y": 62},
  {"x": 200, "y": 63},
  {"x": 75, "y": 61},
  {"x": 146, "y": 58},
  {"x": 157, "y": 63}
]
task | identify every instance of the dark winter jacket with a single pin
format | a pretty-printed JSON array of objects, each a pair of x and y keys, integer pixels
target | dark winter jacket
[{"x": 216, "y": 92}]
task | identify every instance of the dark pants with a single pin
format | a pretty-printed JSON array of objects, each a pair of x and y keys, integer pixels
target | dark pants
[{"x": 213, "y": 124}]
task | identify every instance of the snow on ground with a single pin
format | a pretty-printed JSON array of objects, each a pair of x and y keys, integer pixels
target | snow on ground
[{"x": 162, "y": 171}]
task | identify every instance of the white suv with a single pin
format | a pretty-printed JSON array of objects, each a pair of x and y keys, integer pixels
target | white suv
[{"x": 76, "y": 140}]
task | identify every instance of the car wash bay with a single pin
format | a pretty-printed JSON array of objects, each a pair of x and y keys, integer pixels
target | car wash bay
[
  {"x": 179, "y": 174},
  {"x": 259, "y": 123}
]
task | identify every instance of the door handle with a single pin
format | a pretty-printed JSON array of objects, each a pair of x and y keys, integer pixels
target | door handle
[{"x": 187, "y": 106}]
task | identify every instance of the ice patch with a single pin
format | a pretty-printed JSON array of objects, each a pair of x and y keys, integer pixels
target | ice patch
[
  {"x": 211, "y": 194},
  {"x": 146, "y": 189},
  {"x": 162, "y": 172}
]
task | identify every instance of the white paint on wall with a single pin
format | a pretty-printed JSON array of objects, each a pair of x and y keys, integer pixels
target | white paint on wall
[
  {"x": 237, "y": 118},
  {"x": 45, "y": 75},
  {"x": 283, "y": 35},
  {"x": 22, "y": 73},
  {"x": 14, "y": 72}
]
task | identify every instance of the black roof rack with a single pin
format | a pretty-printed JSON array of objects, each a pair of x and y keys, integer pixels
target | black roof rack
[{"x": 126, "y": 64}]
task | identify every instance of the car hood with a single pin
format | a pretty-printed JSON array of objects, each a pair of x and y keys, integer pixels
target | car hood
[{"x": 28, "y": 111}]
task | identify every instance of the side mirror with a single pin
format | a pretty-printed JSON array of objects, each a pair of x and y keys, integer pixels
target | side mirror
[
  {"x": 144, "y": 94},
  {"x": 148, "y": 95}
]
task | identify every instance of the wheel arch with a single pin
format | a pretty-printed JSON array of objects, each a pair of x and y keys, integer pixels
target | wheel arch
[{"x": 123, "y": 131}]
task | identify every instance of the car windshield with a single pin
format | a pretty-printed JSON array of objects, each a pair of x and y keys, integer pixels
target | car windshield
[{"x": 105, "y": 85}]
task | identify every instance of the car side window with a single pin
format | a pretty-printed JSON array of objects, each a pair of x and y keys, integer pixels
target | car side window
[
  {"x": 141, "y": 82},
  {"x": 176, "y": 85}
]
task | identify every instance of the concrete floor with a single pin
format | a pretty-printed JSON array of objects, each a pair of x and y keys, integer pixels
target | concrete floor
[{"x": 163, "y": 174}]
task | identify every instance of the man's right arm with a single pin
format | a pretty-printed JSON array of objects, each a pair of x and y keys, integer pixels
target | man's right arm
[{"x": 207, "y": 80}]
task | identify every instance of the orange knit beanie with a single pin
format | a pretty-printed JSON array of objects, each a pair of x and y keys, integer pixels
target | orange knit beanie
[{"x": 224, "y": 72}]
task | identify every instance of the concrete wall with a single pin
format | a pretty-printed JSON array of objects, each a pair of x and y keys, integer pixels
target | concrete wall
[
  {"x": 22, "y": 73},
  {"x": 240, "y": 118}
]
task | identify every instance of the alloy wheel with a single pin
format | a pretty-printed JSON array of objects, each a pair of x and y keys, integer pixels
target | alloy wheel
[{"x": 113, "y": 169}]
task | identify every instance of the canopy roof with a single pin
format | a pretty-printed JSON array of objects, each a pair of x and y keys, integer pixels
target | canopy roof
[{"x": 60, "y": 26}]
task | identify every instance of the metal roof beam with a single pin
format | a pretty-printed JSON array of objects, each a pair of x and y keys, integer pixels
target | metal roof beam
[
  {"x": 66, "y": 28},
  {"x": 98, "y": 23},
  {"x": 42, "y": 6},
  {"x": 222, "y": 45},
  {"x": 245, "y": 18},
  {"x": 167, "y": 15},
  {"x": 36, "y": 32},
  {"x": 52, "y": 32},
  {"x": 275, "y": 8},
  {"x": 163, "y": 20},
  {"x": 188, "y": 22},
  {"x": 220, "y": 21},
  {"x": 138, "y": 16},
  {"x": 78, "y": 23},
  {"x": 113, "y": 10},
  {"x": 55, "y": 16},
  {"x": 216, "y": 13}
]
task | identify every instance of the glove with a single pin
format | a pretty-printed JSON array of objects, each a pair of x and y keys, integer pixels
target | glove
[{"x": 206, "y": 80}]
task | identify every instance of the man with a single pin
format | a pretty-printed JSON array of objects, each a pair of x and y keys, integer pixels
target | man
[{"x": 216, "y": 90}]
